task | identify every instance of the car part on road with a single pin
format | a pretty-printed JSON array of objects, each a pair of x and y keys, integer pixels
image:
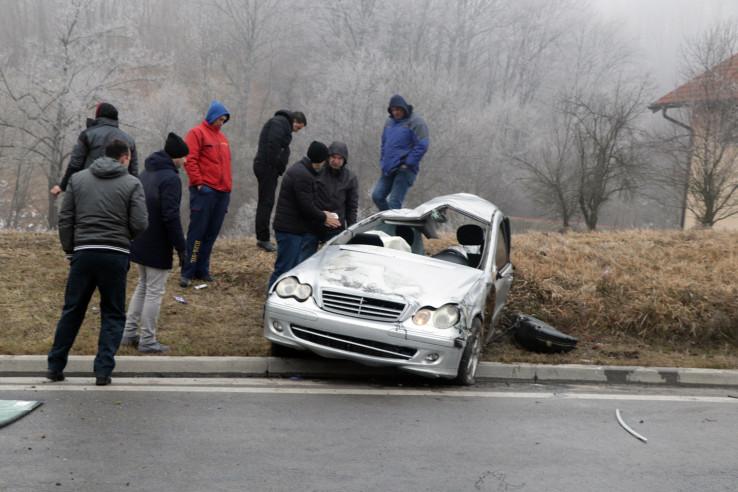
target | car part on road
[
  {"x": 12, "y": 410},
  {"x": 627, "y": 428},
  {"x": 537, "y": 336}
]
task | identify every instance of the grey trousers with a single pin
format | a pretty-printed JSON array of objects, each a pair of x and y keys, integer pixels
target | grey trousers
[{"x": 143, "y": 311}]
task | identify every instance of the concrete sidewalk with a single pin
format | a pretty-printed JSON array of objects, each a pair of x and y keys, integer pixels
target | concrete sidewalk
[{"x": 158, "y": 366}]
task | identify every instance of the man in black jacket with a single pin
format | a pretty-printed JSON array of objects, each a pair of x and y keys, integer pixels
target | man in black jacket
[
  {"x": 338, "y": 189},
  {"x": 298, "y": 219},
  {"x": 92, "y": 141},
  {"x": 103, "y": 210},
  {"x": 152, "y": 251},
  {"x": 270, "y": 162}
]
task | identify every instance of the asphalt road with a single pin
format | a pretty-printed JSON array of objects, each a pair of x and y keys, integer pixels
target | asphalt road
[{"x": 257, "y": 434}]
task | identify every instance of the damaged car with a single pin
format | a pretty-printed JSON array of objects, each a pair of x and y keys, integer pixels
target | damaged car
[{"x": 374, "y": 295}]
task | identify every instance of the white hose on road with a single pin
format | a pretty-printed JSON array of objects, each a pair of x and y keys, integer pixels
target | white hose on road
[{"x": 626, "y": 427}]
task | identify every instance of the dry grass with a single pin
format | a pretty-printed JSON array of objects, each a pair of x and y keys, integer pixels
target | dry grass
[{"x": 637, "y": 297}]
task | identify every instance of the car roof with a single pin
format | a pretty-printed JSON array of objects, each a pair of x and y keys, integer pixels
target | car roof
[{"x": 466, "y": 203}]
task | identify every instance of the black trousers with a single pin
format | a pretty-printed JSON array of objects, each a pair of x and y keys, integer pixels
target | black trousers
[
  {"x": 268, "y": 180},
  {"x": 90, "y": 270}
]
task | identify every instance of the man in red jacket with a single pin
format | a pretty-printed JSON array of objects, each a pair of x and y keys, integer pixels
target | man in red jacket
[{"x": 208, "y": 168}]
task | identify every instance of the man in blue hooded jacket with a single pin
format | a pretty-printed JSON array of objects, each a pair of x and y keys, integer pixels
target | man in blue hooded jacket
[{"x": 405, "y": 141}]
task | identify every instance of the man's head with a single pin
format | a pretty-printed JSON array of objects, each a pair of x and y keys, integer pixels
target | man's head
[
  {"x": 337, "y": 156},
  {"x": 217, "y": 114},
  {"x": 398, "y": 108},
  {"x": 118, "y": 150},
  {"x": 177, "y": 149},
  {"x": 317, "y": 153},
  {"x": 299, "y": 121},
  {"x": 106, "y": 110}
]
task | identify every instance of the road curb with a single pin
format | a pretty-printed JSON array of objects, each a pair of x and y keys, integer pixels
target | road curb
[{"x": 157, "y": 366}]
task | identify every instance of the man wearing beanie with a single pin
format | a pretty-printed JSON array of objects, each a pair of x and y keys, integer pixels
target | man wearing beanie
[
  {"x": 272, "y": 156},
  {"x": 208, "y": 168},
  {"x": 298, "y": 220},
  {"x": 92, "y": 141},
  {"x": 152, "y": 251}
]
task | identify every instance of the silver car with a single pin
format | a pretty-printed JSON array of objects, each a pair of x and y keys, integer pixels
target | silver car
[{"x": 374, "y": 296}]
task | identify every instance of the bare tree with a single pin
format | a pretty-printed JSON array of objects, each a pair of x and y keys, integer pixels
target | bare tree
[
  {"x": 606, "y": 145},
  {"x": 43, "y": 100},
  {"x": 550, "y": 170}
]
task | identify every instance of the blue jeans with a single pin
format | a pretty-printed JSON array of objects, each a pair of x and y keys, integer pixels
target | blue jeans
[
  {"x": 208, "y": 209},
  {"x": 89, "y": 270},
  {"x": 292, "y": 249},
  {"x": 395, "y": 186}
]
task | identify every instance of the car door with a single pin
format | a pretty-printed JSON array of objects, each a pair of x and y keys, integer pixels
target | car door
[{"x": 500, "y": 274}]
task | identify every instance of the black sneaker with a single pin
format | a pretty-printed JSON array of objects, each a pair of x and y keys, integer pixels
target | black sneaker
[
  {"x": 54, "y": 375},
  {"x": 155, "y": 348},
  {"x": 205, "y": 278},
  {"x": 184, "y": 282},
  {"x": 103, "y": 380},
  {"x": 266, "y": 246}
]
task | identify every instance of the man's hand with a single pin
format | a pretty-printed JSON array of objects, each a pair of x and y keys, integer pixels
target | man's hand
[
  {"x": 331, "y": 220},
  {"x": 55, "y": 190}
]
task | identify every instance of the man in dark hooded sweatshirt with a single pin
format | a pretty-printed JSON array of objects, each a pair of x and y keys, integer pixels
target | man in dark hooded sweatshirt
[
  {"x": 103, "y": 210},
  {"x": 338, "y": 189},
  {"x": 405, "y": 141},
  {"x": 92, "y": 141},
  {"x": 272, "y": 156},
  {"x": 152, "y": 250},
  {"x": 298, "y": 219}
]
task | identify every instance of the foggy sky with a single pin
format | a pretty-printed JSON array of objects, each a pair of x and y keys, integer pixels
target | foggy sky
[{"x": 657, "y": 29}]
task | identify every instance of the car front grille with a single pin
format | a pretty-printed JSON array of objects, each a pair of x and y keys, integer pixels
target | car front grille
[
  {"x": 353, "y": 344},
  {"x": 361, "y": 306}
]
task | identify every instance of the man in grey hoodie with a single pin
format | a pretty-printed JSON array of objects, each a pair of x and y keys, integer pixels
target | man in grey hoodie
[{"x": 104, "y": 208}]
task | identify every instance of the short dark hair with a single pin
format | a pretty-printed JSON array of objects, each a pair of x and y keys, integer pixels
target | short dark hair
[
  {"x": 116, "y": 149},
  {"x": 299, "y": 117}
]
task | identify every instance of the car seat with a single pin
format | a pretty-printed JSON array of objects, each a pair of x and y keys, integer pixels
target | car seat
[
  {"x": 365, "y": 238},
  {"x": 453, "y": 254},
  {"x": 471, "y": 235},
  {"x": 407, "y": 233}
]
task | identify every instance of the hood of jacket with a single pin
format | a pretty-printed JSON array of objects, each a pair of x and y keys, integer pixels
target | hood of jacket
[
  {"x": 339, "y": 148},
  {"x": 160, "y": 160},
  {"x": 285, "y": 113},
  {"x": 215, "y": 111},
  {"x": 107, "y": 168},
  {"x": 397, "y": 101}
]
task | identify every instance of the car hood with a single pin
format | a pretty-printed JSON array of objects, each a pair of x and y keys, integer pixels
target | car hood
[{"x": 388, "y": 273}]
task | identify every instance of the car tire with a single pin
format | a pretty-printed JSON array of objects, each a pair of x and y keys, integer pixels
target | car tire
[
  {"x": 466, "y": 376},
  {"x": 283, "y": 351}
]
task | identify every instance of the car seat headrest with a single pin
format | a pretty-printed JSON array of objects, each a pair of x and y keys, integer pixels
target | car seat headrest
[{"x": 470, "y": 235}]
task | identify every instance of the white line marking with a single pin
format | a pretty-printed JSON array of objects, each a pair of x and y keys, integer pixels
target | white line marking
[{"x": 301, "y": 388}]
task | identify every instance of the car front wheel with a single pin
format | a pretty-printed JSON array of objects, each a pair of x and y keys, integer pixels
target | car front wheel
[{"x": 470, "y": 357}]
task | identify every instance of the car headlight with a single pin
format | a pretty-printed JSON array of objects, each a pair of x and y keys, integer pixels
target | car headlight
[
  {"x": 444, "y": 317},
  {"x": 291, "y": 287}
]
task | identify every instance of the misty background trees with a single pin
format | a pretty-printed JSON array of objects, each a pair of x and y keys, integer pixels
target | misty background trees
[{"x": 537, "y": 106}]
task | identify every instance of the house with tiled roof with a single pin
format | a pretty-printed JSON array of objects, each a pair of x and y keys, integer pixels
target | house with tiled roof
[{"x": 707, "y": 107}]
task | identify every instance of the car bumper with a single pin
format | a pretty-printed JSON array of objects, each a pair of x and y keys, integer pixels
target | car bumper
[{"x": 303, "y": 325}]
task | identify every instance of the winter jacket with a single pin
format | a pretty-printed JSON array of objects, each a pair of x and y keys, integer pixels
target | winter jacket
[
  {"x": 273, "y": 152},
  {"x": 91, "y": 145},
  {"x": 338, "y": 191},
  {"x": 209, "y": 161},
  {"x": 404, "y": 141},
  {"x": 297, "y": 212},
  {"x": 104, "y": 208},
  {"x": 163, "y": 191}
]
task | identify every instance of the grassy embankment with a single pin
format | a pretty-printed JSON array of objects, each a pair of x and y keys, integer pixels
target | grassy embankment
[{"x": 635, "y": 297}]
